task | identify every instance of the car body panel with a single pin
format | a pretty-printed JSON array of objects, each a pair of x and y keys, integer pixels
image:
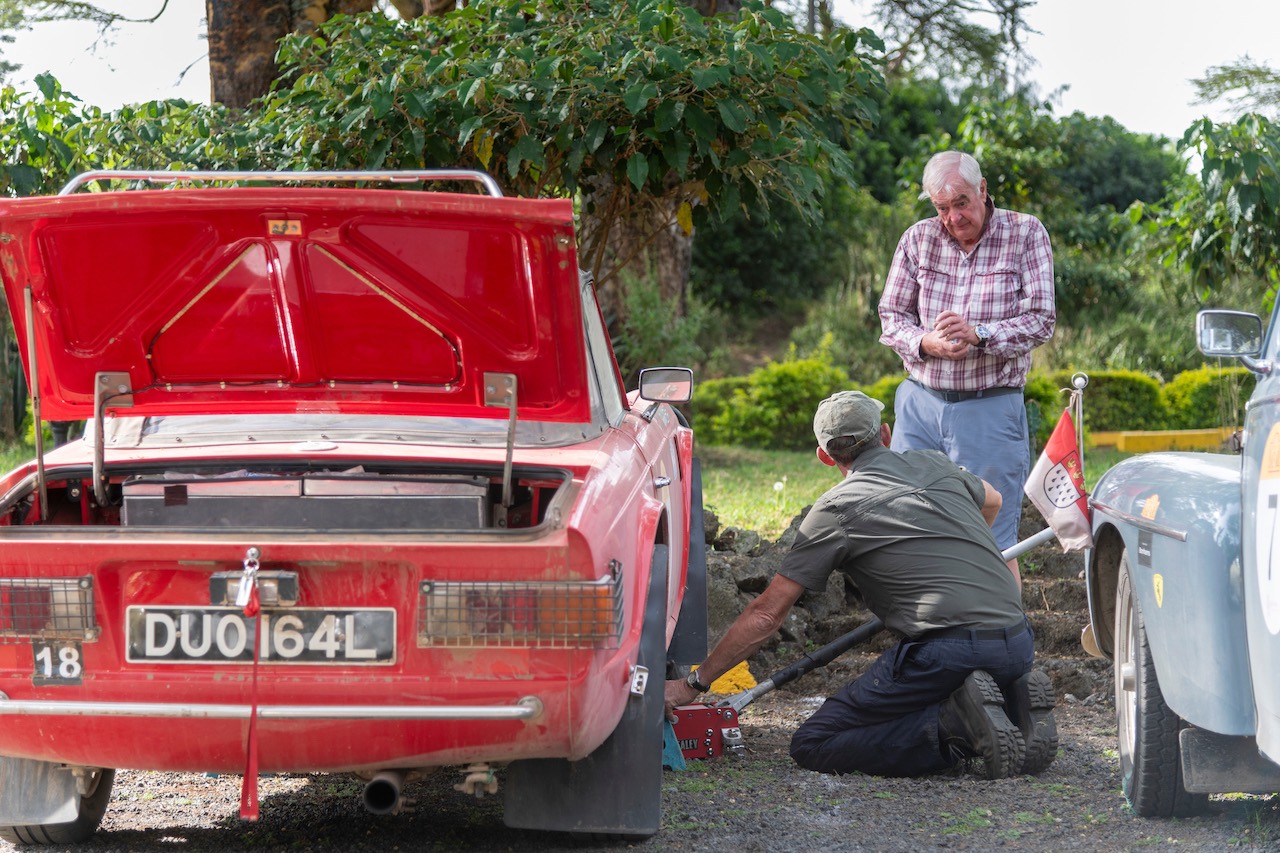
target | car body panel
[
  {"x": 298, "y": 299},
  {"x": 1178, "y": 515}
]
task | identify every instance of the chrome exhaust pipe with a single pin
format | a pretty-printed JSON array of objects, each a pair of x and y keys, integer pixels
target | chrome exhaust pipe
[{"x": 382, "y": 792}]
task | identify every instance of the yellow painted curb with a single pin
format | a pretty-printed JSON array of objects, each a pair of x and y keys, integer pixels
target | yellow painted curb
[
  {"x": 1173, "y": 439},
  {"x": 1146, "y": 441}
]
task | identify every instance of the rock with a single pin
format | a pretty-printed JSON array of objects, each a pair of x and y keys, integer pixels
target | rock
[
  {"x": 710, "y": 527},
  {"x": 739, "y": 541}
]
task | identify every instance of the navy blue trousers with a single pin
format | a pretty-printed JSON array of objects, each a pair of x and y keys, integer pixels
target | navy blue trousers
[{"x": 885, "y": 722}]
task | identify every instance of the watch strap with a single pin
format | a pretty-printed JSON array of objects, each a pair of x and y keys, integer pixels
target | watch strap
[{"x": 693, "y": 681}]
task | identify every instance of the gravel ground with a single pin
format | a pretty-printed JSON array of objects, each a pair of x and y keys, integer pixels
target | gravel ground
[{"x": 759, "y": 801}]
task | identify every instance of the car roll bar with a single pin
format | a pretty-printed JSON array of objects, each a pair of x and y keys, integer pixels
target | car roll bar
[{"x": 350, "y": 176}]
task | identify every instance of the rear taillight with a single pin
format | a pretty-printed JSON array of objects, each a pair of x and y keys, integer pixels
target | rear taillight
[
  {"x": 46, "y": 608},
  {"x": 542, "y": 615}
]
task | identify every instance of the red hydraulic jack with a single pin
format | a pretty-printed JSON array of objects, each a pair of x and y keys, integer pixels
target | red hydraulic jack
[{"x": 705, "y": 731}]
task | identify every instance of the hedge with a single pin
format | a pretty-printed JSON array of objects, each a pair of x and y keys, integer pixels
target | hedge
[{"x": 773, "y": 406}]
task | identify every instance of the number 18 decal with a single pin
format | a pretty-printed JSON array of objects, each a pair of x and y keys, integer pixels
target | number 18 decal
[{"x": 59, "y": 663}]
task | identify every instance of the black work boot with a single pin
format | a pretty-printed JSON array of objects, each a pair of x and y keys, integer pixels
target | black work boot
[
  {"x": 1029, "y": 703},
  {"x": 972, "y": 722}
]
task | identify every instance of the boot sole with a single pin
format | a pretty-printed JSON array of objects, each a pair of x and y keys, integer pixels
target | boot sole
[
  {"x": 1030, "y": 706},
  {"x": 983, "y": 698}
]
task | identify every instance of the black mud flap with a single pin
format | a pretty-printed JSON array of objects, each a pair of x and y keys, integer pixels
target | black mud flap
[
  {"x": 36, "y": 792},
  {"x": 616, "y": 790},
  {"x": 1220, "y": 764},
  {"x": 689, "y": 644}
]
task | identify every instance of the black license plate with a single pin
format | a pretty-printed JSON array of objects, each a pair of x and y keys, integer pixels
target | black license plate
[{"x": 288, "y": 636}]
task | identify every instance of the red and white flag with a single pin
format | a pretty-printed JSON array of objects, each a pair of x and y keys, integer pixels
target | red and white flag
[{"x": 1056, "y": 487}]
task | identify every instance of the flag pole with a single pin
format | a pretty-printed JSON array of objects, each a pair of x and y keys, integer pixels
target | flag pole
[{"x": 1079, "y": 382}]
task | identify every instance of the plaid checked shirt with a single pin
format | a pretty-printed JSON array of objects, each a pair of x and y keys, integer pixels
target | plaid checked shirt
[{"x": 1005, "y": 283}]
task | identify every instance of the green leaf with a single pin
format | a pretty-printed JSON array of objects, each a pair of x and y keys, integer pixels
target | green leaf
[
  {"x": 709, "y": 78},
  {"x": 596, "y": 131},
  {"x": 637, "y": 170},
  {"x": 672, "y": 58},
  {"x": 527, "y": 148},
  {"x": 676, "y": 153},
  {"x": 733, "y": 114},
  {"x": 702, "y": 125},
  {"x": 639, "y": 95},
  {"x": 467, "y": 128},
  {"x": 469, "y": 90},
  {"x": 378, "y": 154},
  {"x": 353, "y": 118},
  {"x": 667, "y": 115}
]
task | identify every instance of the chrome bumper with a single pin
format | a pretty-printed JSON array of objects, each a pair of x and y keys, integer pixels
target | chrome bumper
[{"x": 528, "y": 708}]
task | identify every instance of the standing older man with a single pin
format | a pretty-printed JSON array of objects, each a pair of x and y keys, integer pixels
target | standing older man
[{"x": 968, "y": 296}]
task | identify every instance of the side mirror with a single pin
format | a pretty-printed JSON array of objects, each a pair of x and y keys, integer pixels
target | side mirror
[
  {"x": 666, "y": 384},
  {"x": 1229, "y": 333}
]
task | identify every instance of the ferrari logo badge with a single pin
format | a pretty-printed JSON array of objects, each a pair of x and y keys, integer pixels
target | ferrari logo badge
[{"x": 1158, "y": 582}]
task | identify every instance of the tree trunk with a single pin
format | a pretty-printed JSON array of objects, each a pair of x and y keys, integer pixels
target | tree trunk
[
  {"x": 243, "y": 36},
  {"x": 242, "y": 48},
  {"x": 647, "y": 243},
  {"x": 13, "y": 400},
  {"x": 408, "y": 9}
]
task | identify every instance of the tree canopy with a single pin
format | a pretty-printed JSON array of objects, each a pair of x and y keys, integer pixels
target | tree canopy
[{"x": 664, "y": 108}]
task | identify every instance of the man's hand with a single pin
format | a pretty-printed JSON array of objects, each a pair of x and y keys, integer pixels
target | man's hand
[
  {"x": 951, "y": 338},
  {"x": 942, "y": 345},
  {"x": 677, "y": 692},
  {"x": 955, "y": 327}
]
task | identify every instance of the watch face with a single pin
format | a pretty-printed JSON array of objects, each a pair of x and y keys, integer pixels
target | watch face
[{"x": 982, "y": 332}]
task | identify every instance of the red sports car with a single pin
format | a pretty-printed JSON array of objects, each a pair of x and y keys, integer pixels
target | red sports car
[{"x": 360, "y": 491}]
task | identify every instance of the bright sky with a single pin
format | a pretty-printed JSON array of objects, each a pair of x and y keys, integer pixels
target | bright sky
[{"x": 1130, "y": 59}]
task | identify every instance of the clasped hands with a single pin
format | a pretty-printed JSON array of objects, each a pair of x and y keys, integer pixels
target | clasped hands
[{"x": 951, "y": 338}]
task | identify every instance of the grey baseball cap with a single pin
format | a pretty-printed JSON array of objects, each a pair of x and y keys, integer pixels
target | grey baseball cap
[{"x": 850, "y": 413}]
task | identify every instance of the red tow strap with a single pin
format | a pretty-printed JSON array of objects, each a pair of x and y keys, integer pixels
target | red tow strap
[{"x": 249, "y": 785}]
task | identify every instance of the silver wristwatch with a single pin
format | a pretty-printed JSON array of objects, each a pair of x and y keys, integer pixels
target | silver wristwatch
[
  {"x": 983, "y": 333},
  {"x": 692, "y": 681}
]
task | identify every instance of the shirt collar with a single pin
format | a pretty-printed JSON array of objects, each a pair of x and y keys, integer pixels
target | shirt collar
[{"x": 866, "y": 457}]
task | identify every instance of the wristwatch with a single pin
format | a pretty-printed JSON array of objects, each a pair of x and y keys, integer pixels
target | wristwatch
[
  {"x": 983, "y": 333},
  {"x": 692, "y": 681}
]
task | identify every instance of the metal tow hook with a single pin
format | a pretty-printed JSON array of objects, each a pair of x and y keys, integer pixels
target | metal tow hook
[
  {"x": 479, "y": 780},
  {"x": 248, "y": 582}
]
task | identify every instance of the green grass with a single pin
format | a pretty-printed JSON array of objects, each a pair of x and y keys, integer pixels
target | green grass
[
  {"x": 762, "y": 490},
  {"x": 741, "y": 485},
  {"x": 13, "y": 455}
]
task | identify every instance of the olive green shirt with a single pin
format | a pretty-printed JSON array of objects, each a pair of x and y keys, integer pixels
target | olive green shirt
[{"x": 907, "y": 528}]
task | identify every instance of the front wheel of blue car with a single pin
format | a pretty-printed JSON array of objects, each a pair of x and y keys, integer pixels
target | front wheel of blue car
[{"x": 1150, "y": 758}]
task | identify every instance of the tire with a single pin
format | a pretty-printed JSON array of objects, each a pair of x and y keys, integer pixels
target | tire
[
  {"x": 91, "y": 808},
  {"x": 1147, "y": 729}
]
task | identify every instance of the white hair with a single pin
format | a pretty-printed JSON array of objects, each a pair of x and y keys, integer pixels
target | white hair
[{"x": 940, "y": 171}]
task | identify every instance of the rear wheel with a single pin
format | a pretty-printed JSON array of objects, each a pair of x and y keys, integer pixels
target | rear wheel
[
  {"x": 89, "y": 811},
  {"x": 1150, "y": 758}
]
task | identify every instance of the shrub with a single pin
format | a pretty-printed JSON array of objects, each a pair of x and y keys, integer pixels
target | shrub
[
  {"x": 652, "y": 330},
  {"x": 1118, "y": 400},
  {"x": 1209, "y": 396},
  {"x": 1045, "y": 402},
  {"x": 771, "y": 408},
  {"x": 885, "y": 389}
]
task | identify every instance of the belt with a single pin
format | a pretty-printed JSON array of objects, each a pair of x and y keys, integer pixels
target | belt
[
  {"x": 974, "y": 633},
  {"x": 961, "y": 396}
]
